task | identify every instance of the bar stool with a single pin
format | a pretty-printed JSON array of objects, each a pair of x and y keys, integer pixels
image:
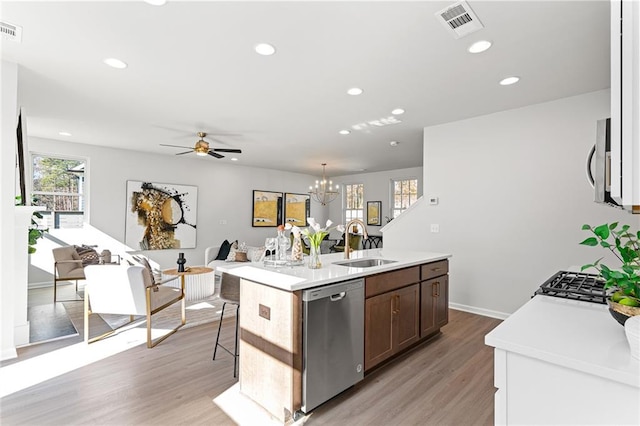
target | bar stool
[{"x": 229, "y": 293}]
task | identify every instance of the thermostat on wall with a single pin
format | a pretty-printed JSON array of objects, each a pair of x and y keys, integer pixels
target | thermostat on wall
[{"x": 433, "y": 201}]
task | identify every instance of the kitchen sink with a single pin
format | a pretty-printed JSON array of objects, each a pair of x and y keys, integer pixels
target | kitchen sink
[{"x": 364, "y": 263}]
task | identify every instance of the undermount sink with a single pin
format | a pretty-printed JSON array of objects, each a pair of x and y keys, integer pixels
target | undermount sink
[{"x": 364, "y": 263}]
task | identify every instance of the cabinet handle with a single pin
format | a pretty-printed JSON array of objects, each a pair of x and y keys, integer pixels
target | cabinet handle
[{"x": 395, "y": 304}]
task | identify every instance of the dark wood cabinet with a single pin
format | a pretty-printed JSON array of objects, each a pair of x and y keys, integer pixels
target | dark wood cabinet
[
  {"x": 434, "y": 306},
  {"x": 402, "y": 307},
  {"x": 392, "y": 323}
]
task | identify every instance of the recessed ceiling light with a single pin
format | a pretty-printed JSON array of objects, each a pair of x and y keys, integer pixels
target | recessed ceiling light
[
  {"x": 344, "y": 132},
  {"x": 156, "y": 2},
  {"x": 265, "y": 49},
  {"x": 479, "y": 46},
  {"x": 115, "y": 63},
  {"x": 355, "y": 91},
  {"x": 234, "y": 159},
  {"x": 397, "y": 111},
  {"x": 394, "y": 143},
  {"x": 64, "y": 133},
  {"x": 509, "y": 80}
]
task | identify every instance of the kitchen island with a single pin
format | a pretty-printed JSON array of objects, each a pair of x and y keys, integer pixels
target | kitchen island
[
  {"x": 560, "y": 361},
  {"x": 406, "y": 302}
]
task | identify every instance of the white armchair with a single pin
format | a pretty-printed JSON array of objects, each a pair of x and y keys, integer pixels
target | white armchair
[{"x": 126, "y": 290}]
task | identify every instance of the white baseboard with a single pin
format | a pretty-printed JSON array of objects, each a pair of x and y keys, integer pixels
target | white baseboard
[
  {"x": 479, "y": 311},
  {"x": 8, "y": 353}
]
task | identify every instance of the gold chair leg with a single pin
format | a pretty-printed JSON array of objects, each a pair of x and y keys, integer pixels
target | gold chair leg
[{"x": 151, "y": 343}]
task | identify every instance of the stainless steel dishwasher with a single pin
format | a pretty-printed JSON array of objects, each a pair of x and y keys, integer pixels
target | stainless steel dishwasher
[{"x": 333, "y": 341}]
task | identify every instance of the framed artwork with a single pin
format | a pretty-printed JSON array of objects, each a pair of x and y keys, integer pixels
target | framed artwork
[
  {"x": 297, "y": 208},
  {"x": 267, "y": 209},
  {"x": 373, "y": 212},
  {"x": 22, "y": 153},
  {"x": 160, "y": 216}
]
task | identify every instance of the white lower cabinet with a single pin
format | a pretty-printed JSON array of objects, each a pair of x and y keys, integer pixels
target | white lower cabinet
[{"x": 537, "y": 392}]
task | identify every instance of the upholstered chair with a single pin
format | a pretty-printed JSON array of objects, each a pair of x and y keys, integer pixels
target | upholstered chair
[
  {"x": 67, "y": 267},
  {"x": 128, "y": 290}
]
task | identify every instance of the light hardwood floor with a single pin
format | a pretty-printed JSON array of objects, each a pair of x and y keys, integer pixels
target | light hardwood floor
[{"x": 447, "y": 381}]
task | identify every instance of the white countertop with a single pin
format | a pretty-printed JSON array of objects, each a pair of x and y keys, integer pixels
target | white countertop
[
  {"x": 292, "y": 278},
  {"x": 579, "y": 335}
]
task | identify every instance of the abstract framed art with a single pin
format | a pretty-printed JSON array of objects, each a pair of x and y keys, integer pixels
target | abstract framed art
[
  {"x": 267, "y": 209},
  {"x": 297, "y": 208},
  {"x": 160, "y": 216},
  {"x": 373, "y": 212}
]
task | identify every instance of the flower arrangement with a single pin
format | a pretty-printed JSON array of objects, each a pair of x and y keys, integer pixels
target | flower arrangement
[
  {"x": 625, "y": 245},
  {"x": 314, "y": 234}
]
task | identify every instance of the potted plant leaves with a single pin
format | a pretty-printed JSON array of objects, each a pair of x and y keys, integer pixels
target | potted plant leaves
[{"x": 622, "y": 283}]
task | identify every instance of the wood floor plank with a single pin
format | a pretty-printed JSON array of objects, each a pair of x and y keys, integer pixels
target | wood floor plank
[{"x": 447, "y": 381}]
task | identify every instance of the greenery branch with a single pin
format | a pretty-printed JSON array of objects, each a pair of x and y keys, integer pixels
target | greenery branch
[
  {"x": 35, "y": 232},
  {"x": 625, "y": 245}
]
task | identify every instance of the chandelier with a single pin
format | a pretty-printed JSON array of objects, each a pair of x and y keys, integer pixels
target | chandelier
[{"x": 323, "y": 191}]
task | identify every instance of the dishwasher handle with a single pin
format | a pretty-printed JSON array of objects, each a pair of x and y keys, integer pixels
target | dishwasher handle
[{"x": 338, "y": 296}]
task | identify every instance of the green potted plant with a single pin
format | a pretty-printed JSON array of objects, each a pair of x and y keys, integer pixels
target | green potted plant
[
  {"x": 35, "y": 232},
  {"x": 623, "y": 283}
]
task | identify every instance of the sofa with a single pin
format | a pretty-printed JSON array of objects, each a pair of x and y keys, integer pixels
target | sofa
[{"x": 211, "y": 253}]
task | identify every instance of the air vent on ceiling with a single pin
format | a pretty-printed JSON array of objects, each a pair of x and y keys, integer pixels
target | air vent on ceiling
[
  {"x": 10, "y": 31},
  {"x": 459, "y": 19}
]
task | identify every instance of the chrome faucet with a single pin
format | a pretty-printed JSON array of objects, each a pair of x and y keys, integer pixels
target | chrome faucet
[{"x": 347, "y": 246}]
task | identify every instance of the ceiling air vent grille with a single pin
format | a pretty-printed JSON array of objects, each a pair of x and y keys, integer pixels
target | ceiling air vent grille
[
  {"x": 459, "y": 20},
  {"x": 11, "y": 32}
]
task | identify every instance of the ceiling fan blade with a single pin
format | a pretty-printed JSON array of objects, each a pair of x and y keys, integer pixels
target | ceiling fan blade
[
  {"x": 213, "y": 154},
  {"x": 182, "y": 153},
  {"x": 175, "y": 146},
  {"x": 236, "y": 151}
]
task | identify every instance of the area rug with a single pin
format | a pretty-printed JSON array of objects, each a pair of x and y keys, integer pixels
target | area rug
[{"x": 49, "y": 322}]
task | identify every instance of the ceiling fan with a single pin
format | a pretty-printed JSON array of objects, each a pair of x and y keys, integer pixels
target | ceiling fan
[{"x": 202, "y": 148}]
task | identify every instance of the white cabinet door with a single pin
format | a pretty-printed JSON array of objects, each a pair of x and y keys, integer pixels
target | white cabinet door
[{"x": 625, "y": 103}]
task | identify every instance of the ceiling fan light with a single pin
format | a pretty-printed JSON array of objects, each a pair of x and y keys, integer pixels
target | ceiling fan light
[{"x": 201, "y": 153}]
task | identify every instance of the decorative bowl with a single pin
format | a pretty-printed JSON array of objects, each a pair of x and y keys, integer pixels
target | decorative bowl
[{"x": 622, "y": 312}]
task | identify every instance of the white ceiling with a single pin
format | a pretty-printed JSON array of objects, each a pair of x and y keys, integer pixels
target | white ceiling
[{"x": 192, "y": 68}]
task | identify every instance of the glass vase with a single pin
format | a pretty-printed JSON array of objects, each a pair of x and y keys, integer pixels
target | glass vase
[{"x": 314, "y": 257}]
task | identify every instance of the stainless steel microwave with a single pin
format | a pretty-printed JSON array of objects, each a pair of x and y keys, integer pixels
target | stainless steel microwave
[{"x": 599, "y": 164}]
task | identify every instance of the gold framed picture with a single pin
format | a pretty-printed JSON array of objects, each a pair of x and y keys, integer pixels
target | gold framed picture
[{"x": 373, "y": 212}]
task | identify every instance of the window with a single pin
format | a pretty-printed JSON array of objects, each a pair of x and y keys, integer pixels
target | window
[
  {"x": 58, "y": 184},
  {"x": 354, "y": 202},
  {"x": 405, "y": 193}
]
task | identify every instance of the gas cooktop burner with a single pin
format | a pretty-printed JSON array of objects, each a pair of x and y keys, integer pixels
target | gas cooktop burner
[{"x": 576, "y": 286}]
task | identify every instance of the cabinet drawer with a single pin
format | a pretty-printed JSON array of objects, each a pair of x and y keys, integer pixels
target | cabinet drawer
[
  {"x": 435, "y": 269},
  {"x": 387, "y": 281}
]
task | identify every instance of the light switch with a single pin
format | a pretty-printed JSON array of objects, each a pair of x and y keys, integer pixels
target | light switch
[{"x": 435, "y": 227}]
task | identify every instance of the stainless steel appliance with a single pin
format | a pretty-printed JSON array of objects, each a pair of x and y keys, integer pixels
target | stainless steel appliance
[
  {"x": 599, "y": 164},
  {"x": 333, "y": 341}
]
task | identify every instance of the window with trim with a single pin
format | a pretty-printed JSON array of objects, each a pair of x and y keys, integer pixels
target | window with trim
[
  {"x": 58, "y": 184},
  {"x": 404, "y": 193},
  {"x": 354, "y": 201}
]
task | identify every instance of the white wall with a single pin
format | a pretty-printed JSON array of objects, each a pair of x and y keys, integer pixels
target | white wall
[
  {"x": 513, "y": 197},
  {"x": 376, "y": 188},
  {"x": 9, "y": 112},
  {"x": 224, "y": 193}
]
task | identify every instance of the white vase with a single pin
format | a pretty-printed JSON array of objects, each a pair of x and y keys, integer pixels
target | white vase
[{"x": 632, "y": 330}]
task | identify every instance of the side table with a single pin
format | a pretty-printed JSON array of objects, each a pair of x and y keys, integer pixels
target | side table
[{"x": 197, "y": 282}]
